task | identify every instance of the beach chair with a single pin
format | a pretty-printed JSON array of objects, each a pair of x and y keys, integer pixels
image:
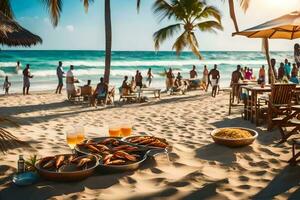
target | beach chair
[
  {"x": 179, "y": 89},
  {"x": 75, "y": 96},
  {"x": 127, "y": 96},
  {"x": 110, "y": 95},
  {"x": 280, "y": 106},
  {"x": 86, "y": 94}
]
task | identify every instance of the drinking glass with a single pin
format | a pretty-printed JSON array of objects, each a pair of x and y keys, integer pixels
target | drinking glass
[
  {"x": 114, "y": 130},
  {"x": 126, "y": 128},
  {"x": 80, "y": 133},
  {"x": 71, "y": 138}
]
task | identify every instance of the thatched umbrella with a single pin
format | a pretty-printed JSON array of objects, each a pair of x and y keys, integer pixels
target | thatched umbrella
[
  {"x": 12, "y": 34},
  {"x": 284, "y": 27}
]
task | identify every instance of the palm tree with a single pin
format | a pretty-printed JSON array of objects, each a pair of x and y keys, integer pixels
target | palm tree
[
  {"x": 189, "y": 15},
  {"x": 244, "y": 4}
]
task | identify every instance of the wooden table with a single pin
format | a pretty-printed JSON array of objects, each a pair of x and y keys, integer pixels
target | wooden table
[
  {"x": 252, "y": 104},
  {"x": 155, "y": 91}
]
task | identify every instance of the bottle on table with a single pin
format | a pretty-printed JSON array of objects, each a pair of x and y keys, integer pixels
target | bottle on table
[{"x": 21, "y": 164}]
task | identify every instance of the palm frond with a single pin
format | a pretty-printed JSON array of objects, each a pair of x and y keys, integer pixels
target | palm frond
[
  {"x": 6, "y": 9},
  {"x": 245, "y": 4},
  {"x": 180, "y": 43},
  {"x": 164, "y": 33},
  {"x": 163, "y": 9},
  {"x": 210, "y": 26},
  {"x": 209, "y": 11},
  {"x": 86, "y": 4},
  {"x": 54, "y": 8},
  {"x": 193, "y": 43}
]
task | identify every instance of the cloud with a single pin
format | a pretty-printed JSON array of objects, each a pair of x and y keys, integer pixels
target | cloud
[{"x": 70, "y": 28}]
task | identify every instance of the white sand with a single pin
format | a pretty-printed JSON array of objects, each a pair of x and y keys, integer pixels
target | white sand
[{"x": 199, "y": 169}]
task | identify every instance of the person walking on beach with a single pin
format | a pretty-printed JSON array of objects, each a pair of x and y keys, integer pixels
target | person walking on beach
[
  {"x": 169, "y": 79},
  {"x": 149, "y": 77},
  {"x": 60, "y": 74},
  {"x": 18, "y": 67},
  {"x": 6, "y": 85},
  {"x": 26, "y": 80},
  {"x": 214, "y": 80},
  {"x": 205, "y": 78},
  {"x": 71, "y": 80}
]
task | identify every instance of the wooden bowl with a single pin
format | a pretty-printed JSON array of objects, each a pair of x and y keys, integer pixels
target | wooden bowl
[
  {"x": 69, "y": 175},
  {"x": 240, "y": 142}
]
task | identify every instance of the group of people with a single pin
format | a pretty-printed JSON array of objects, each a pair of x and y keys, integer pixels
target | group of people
[
  {"x": 26, "y": 80},
  {"x": 209, "y": 78}
]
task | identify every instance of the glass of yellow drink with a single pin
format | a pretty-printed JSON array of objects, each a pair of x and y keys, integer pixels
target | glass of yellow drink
[
  {"x": 126, "y": 129},
  {"x": 114, "y": 130},
  {"x": 71, "y": 138},
  {"x": 80, "y": 134}
]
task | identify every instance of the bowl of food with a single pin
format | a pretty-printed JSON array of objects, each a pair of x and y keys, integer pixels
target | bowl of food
[
  {"x": 67, "y": 167},
  {"x": 234, "y": 136},
  {"x": 116, "y": 155}
]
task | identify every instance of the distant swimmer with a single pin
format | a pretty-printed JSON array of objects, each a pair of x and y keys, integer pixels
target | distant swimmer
[{"x": 18, "y": 67}]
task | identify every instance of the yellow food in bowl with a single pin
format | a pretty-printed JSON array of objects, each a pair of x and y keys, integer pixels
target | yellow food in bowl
[{"x": 233, "y": 133}]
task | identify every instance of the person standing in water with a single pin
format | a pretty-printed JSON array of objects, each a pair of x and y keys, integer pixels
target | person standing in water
[
  {"x": 18, "y": 67},
  {"x": 26, "y": 80},
  {"x": 60, "y": 74},
  {"x": 6, "y": 85},
  {"x": 149, "y": 76}
]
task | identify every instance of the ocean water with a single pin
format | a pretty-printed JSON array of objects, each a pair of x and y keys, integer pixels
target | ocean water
[{"x": 90, "y": 65}]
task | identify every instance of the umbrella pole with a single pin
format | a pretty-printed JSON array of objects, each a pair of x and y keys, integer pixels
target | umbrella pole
[{"x": 271, "y": 75}]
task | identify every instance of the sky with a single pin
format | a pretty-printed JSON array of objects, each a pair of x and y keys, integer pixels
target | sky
[{"x": 133, "y": 31}]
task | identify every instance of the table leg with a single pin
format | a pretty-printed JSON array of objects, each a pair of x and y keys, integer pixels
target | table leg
[
  {"x": 256, "y": 109},
  {"x": 251, "y": 106}
]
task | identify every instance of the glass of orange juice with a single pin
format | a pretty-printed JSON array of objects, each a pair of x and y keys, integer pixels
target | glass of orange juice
[
  {"x": 71, "y": 138},
  {"x": 126, "y": 128},
  {"x": 80, "y": 133},
  {"x": 114, "y": 130}
]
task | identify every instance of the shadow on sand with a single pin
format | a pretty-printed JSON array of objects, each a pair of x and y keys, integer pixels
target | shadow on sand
[{"x": 288, "y": 178}]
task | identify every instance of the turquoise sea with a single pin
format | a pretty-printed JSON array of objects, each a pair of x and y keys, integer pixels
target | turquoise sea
[{"x": 90, "y": 65}]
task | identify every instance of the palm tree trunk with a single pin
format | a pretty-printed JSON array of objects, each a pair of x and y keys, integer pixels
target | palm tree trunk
[
  {"x": 108, "y": 41},
  {"x": 271, "y": 74},
  {"x": 232, "y": 15}
]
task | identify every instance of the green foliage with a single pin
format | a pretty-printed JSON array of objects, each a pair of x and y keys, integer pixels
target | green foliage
[{"x": 190, "y": 16}]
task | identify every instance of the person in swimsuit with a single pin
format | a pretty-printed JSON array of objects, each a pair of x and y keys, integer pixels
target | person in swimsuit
[
  {"x": 101, "y": 92},
  {"x": 149, "y": 76},
  {"x": 214, "y": 80},
  {"x": 26, "y": 79},
  {"x": 169, "y": 79},
  {"x": 60, "y": 74}
]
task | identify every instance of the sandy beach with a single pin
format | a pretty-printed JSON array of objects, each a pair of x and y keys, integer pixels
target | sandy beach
[{"x": 198, "y": 168}]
